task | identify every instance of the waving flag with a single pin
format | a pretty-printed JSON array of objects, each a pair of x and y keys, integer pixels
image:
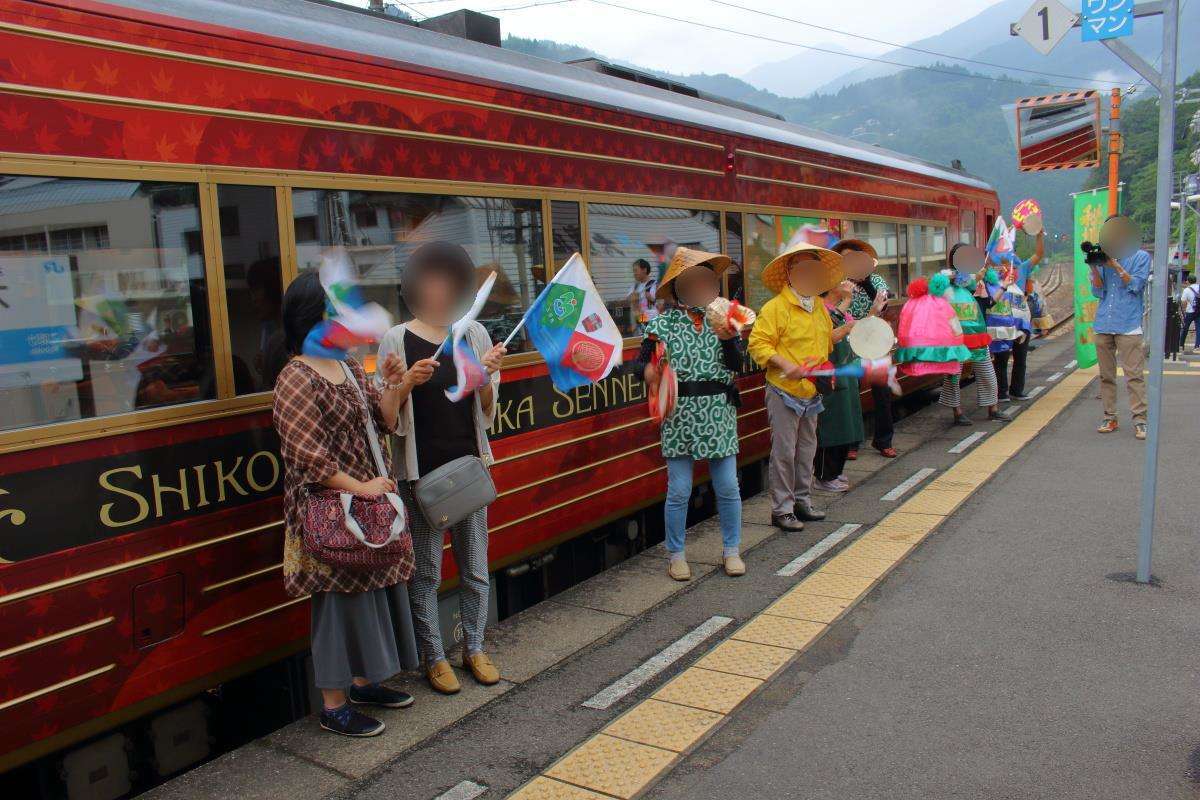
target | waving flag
[
  {"x": 350, "y": 321},
  {"x": 471, "y": 374},
  {"x": 1000, "y": 242},
  {"x": 572, "y": 329}
]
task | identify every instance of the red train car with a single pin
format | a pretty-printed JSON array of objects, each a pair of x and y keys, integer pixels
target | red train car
[{"x": 166, "y": 166}]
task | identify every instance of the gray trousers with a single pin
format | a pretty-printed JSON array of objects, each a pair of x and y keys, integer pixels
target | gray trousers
[
  {"x": 793, "y": 448},
  {"x": 469, "y": 542}
]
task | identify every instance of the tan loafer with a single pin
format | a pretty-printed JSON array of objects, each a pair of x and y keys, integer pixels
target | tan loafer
[
  {"x": 679, "y": 570},
  {"x": 442, "y": 678},
  {"x": 481, "y": 668},
  {"x": 734, "y": 566}
]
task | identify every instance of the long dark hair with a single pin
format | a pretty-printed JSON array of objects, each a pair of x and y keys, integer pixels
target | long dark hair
[{"x": 303, "y": 307}]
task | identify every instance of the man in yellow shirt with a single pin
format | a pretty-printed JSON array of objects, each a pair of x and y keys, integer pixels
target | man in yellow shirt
[{"x": 793, "y": 334}]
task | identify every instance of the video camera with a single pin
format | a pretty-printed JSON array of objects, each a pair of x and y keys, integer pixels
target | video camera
[{"x": 1093, "y": 254}]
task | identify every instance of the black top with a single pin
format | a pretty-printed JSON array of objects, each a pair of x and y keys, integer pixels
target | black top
[{"x": 444, "y": 430}]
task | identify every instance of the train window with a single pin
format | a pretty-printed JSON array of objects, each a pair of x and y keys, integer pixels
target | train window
[
  {"x": 103, "y": 304},
  {"x": 966, "y": 227},
  {"x": 253, "y": 284},
  {"x": 734, "y": 276},
  {"x": 927, "y": 249},
  {"x": 565, "y": 231},
  {"x": 885, "y": 238},
  {"x": 767, "y": 235},
  {"x": 380, "y": 229},
  {"x": 624, "y": 235}
]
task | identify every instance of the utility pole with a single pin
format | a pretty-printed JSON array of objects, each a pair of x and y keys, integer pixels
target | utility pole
[{"x": 1114, "y": 150}]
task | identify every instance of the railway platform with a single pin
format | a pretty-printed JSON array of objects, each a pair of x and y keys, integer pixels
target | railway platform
[{"x": 856, "y": 631}]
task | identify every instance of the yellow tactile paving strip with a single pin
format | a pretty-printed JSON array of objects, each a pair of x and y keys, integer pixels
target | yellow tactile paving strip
[
  {"x": 707, "y": 689},
  {"x": 665, "y": 725},
  {"x": 633, "y": 751},
  {"x": 747, "y": 658},
  {"x": 803, "y": 605},
  {"x": 768, "y": 629},
  {"x": 617, "y": 767},
  {"x": 541, "y": 788}
]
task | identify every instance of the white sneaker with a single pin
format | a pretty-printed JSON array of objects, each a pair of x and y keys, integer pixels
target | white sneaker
[{"x": 835, "y": 485}]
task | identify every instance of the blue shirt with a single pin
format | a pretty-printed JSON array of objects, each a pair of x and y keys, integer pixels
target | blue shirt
[{"x": 1121, "y": 304}]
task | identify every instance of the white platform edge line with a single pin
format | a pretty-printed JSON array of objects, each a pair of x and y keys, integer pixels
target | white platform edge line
[
  {"x": 909, "y": 483},
  {"x": 817, "y": 550},
  {"x": 1035, "y": 391},
  {"x": 967, "y": 442},
  {"x": 1055, "y": 376},
  {"x": 648, "y": 669},
  {"x": 466, "y": 790},
  {"x": 1072, "y": 364}
]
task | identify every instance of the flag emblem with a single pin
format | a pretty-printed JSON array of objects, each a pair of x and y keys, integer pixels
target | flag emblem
[{"x": 570, "y": 326}]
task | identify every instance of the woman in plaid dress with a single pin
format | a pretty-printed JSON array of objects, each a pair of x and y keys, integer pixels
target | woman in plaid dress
[{"x": 360, "y": 620}]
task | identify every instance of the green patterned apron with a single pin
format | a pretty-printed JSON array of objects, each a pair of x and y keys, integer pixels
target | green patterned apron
[{"x": 700, "y": 427}]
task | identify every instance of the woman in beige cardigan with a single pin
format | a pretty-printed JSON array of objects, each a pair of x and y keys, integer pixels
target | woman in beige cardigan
[{"x": 432, "y": 431}]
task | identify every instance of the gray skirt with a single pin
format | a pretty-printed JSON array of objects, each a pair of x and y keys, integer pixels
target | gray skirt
[{"x": 361, "y": 635}]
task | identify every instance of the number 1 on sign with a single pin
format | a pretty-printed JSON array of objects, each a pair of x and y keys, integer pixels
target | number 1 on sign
[{"x": 1044, "y": 13}]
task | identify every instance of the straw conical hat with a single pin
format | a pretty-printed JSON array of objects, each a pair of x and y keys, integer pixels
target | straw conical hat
[
  {"x": 774, "y": 275},
  {"x": 684, "y": 259}
]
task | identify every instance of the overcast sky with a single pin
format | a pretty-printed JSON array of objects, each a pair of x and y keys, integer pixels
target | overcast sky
[{"x": 682, "y": 48}]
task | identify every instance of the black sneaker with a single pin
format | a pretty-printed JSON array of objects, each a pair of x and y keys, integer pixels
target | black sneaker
[
  {"x": 375, "y": 695},
  {"x": 804, "y": 510},
  {"x": 963, "y": 421},
  {"x": 999, "y": 416},
  {"x": 1019, "y": 396},
  {"x": 345, "y": 721}
]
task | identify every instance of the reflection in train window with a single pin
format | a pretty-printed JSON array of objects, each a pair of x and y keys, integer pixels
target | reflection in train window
[
  {"x": 926, "y": 249},
  {"x": 966, "y": 227},
  {"x": 623, "y": 235},
  {"x": 885, "y": 238},
  {"x": 103, "y": 305},
  {"x": 735, "y": 275},
  {"x": 253, "y": 284},
  {"x": 564, "y": 230},
  {"x": 768, "y": 235},
  {"x": 380, "y": 229}
]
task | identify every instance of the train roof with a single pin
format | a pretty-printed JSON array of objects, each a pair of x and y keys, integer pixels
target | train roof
[{"x": 348, "y": 29}]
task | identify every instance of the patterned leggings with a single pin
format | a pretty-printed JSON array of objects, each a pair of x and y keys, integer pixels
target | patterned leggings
[
  {"x": 987, "y": 393},
  {"x": 469, "y": 541}
]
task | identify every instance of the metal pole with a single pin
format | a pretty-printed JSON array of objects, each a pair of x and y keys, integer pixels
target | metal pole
[{"x": 1158, "y": 285}]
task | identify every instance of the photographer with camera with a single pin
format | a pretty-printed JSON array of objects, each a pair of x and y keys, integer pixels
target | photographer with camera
[{"x": 1120, "y": 269}]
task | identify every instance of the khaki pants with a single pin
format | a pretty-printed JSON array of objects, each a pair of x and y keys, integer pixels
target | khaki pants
[
  {"x": 793, "y": 447},
  {"x": 1133, "y": 360}
]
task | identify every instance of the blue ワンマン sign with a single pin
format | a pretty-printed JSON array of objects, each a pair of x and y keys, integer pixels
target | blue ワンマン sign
[{"x": 1106, "y": 19}]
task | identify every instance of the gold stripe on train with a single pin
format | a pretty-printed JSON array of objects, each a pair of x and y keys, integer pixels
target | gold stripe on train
[
  {"x": 844, "y": 171},
  {"x": 802, "y": 185},
  {"x": 335, "y": 125},
  {"x": 137, "y": 562},
  {"x": 255, "y": 615},
  {"x": 603, "y": 489},
  {"x": 212, "y": 587},
  {"x": 54, "y": 637},
  {"x": 594, "y": 434},
  {"x": 55, "y": 687},
  {"x": 175, "y": 55}
]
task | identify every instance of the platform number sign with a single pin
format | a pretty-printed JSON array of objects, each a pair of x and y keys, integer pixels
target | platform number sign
[
  {"x": 1045, "y": 24},
  {"x": 1106, "y": 19}
]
